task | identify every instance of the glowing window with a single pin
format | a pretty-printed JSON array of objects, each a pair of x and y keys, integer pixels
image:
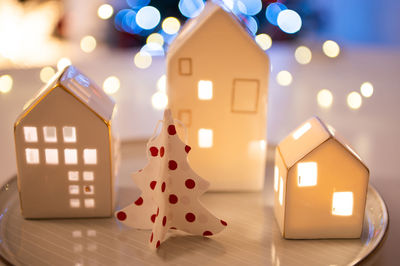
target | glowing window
[
  {"x": 69, "y": 134},
  {"x": 51, "y": 156},
  {"x": 32, "y": 156},
  {"x": 90, "y": 156},
  {"x": 73, "y": 176},
  {"x": 50, "y": 134},
  {"x": 342, "y": 203},
  {"x": 74, "y": 189},
  {"x": 301, "y": 131},
  {"x": 280, "y": 191},
  {"x": 74, "y": 203},
  {"x": 88, "y": 189},
  {"x": 88, "y": 176},
  {"x": 307, "y": 174},
  {"x": 205, "y": 89},
  {"x": 205, "y": 138},
  {"x": 276, "y": 178},
  {"x": 71, "y": 156},
  {"x": 89, "y": 203},
  {"x": 30, "y": 134}
]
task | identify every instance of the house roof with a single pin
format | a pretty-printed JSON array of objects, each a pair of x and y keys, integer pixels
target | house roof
[{"x": 79, "y": 86}]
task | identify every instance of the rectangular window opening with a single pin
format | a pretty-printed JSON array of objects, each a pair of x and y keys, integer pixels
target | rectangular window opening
[
  {"x": 205, "y": 138},
  {"x": 90, "y": 156},
  {"x": 88, "y": 176},
  {"x": 342, "y": 203},
  {"x": 73, "y": 176},
  {"x": 51, "y": 156},
  {"x": 30, "y": 134},
  {"x": 71, "y": 156},
  {"x": 301, "y": 131},
  {"x": 74, "y": 203},
  {"x": 307, "y": 174},
  {"x": 69, "y": 134},
  {"x": 89, "y": 203},
  {"x": 280, "y": 191},
  {"x": 50, "y": 134},
  {"x": 276, "y": 178},
  {"x": 74, "y": 189},
  {"x": 205, "y": 89},
  {"x": 32, "y": 156},
  {"x": 88, "y": 189}
]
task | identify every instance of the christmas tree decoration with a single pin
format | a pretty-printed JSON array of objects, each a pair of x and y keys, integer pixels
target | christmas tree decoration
[
  {"x": 170, "y": 191},
  {"x": 320, "y": 184}
]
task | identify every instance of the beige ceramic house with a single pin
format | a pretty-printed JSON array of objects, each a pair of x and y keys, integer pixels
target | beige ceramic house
[
  {"x": 64, "y": 150},
  {"x": 320, "y": 185},
  {"x": 217, "y": 80}
]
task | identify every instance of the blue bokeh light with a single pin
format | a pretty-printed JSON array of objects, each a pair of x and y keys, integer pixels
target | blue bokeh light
[
  {"x": 119, "y": 18},
  {"x": 191, "y": 8},
  {"x": 251, "y": 24},
  {"x": 249, "y": 7},
  {"x": 272, "y": 12},
  {"x": 136, "y": 4},
  {"x": 289, "y": 21},
  {"x": 154, "y": 49},
  {"x": 148, "y": 17}
]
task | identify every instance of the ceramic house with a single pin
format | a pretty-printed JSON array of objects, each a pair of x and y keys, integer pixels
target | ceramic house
[
  {"x": 320, "y": 184},
  {"x": 217, "y": 78},
  {"x": 64, "y": 150}
]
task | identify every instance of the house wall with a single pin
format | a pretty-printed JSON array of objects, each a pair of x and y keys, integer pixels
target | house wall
[
  {"x": 279, "y": 209},
  {"x": 44, "y": 188}
]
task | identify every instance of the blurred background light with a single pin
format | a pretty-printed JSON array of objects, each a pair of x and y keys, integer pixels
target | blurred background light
[
  {"x": 46, "y": 74},
  {"x": 171, "y": 25},
  {"x": 191, "y": 8},
  {"x": 154, "y": 49},
  {"x": 142, "y": 60},
  {"x": 162, "y": 83},
  {"x": 63, "y": 63},
  {"x": 105, "y": 11},
  {"x": 229, "y": 4},
  {"x": 325, "y": 98},
  {"x": 367, "y": 89},
  {"x": 252, "y": 24},
  {"x": 6, "y": 83},
  {"x": 303, "y": 55},
  {"x": 284, "y": 78},
  {"x": 136, "y": 4},
  {"x": 159, "y": 100},
  {"x": 289, "y": 21},
  {"x": 88, "y": 44},
  {"x": 111, "y": 85},
  {"x": 354, "y": 100},
  {"x": 331, "y": 48},
  {"x": 148, "y": 17},
  {"x": 264, "y": 41},
  {"x": 272, "y": 12},
  {"x": 249, "y": 7},
  {"x": 155, "y": 38}
]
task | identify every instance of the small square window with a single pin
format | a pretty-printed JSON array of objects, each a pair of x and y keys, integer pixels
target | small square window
[
  {"x": 185, "y": 66},
  {"x": 307, "y": 174},
  {"x": 32, "y": 156},
  {"x": 89, "y": 203},
  {"x": 50, "y": 134},
  {"x": 90, "y": 156},
  {"x": 74, "y": 203},
  {"x": 245, "y": 95},
  {"x": 71, "y": 156},
  {"x": 280, "y": 191},
  {"x": 276, "y": 178},
  {"x": 205, "y": 138},
  {"x": 30, "y": 134},
  {"x": 51, "y": 156},
  {"x": 88, "y": 176},
  {"x": 74, "y": 189},
  {"x": 342, "y": 203},
  {"x": 205, "y": 89},
  {"x": 185, "y": 116},
  {"x": 73, "y": 176},
  {"x": 69, "y": 134},
  {"x": 301, "y": 131},
  {"x": 88, "y": 189}
]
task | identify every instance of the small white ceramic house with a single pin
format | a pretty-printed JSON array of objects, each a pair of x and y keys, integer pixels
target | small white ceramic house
[
  {"x": 217, "y": 78},
  {"x": 320, "y": 184},
  {"x": 64, "y": 150}
]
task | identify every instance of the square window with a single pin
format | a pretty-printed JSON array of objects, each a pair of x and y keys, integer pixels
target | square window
[
  {"x": 342, "y": 203},
  {"x": 88, "y": 189},
  {"x": 276, "y": 178},
  {"x": 32, "y": 156},
  {"x": 307, "y": 174},
  {"x": 50, "y": 134},
  {"x": 73, "y": 176},
  {"x": 245, "y": 95},
  {"x": 74, "y": 189},
  {"x": 89, "y": 203},
  {"x": 301, "y": 131},
  {"x": 280, "y": 191},
  {"x": 71, "y": 156},
  {"x": 205, "y": 138},
  {"x": 69, "y": 134},
  {"x": 185, "y": 116},
  {"x": 205, "y": 89},
  {"x": 74, "y": 203},
  {"x": 185, "y": 66},
  {"x": 51, "y": 156},
  {"x": 30, "y": 134},
  {"x": 88, "y": 176},
  {"x": 90, "y": 156}
]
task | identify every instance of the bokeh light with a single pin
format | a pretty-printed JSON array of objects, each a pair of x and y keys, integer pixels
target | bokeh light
[
  {"x": 325, "y": 98},
  {"x": 46, "y": 74},
  {"x": 142, "y": 60},
  {"x": 159, "y": 100},
  {"x": 272, "y": 12},
  {"x": 252, "y": 24},
  {"x": 229, "y": 4},
  {"x": 264, "y": 41},
  {"x": 284, "y": 78},
  {"x": 154, "y": 49},
  {"x": 105, "y": 11},
  {"x": 171, "y": 25},
  {"x": 155, "y": 38},
  {"x": 6, "y": 83},
  {"x": 289, "y": 21},
  {"x": 162, "y": 83},
  {"x": 148, "y": 17},
  {"x": 303, "y": 55},
  {"x": 88, "y": 44},
  {"x": 331, "y": 48},
  {"x": 191, "y": 8},
  {"x": 367, "y": 89},
  {"x": 125, "y": 20},
  {"x": 136, "y": 4},
  {"x": 63, "y": 63},
  {"x": 249, "y": 7},
  {"x": 111, "y": 85},
  {"x": 354, "y": 100}
]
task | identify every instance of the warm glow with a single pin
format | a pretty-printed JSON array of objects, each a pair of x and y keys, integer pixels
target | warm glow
[
  {"x": 89, "y": 203},
  {"x": 171, "y": 25},
  {"x": 111, "y": 85},
  {"x": 90, "y": 156},
  {"x": 50, "y": 134},
  {"x": 30, "y": 134},
  {"x": 264, "y": 41},
  {"x": 51, "y": 156},
  {"x": 105, "y": 11},
  {"x": 74, "y": 189},
  {"x": 331, "y": 48},
  {"x": 69, "y": 134},
  {"x": 284, "y": 78},
  {"x": 142, "y": 59},
  {"x": 367, "y": 89},
  {"x": 159, "y": 100},
  {"x": 6, "y": 83},
  {"x": 46, "y": 74},
  {"x": 302, "y": 130},
  {"x": 88, "y": 190},
  {"x": 276, "y": 178},
  {"x": 303, "y": 55},
  {"x": 205, "y": 89},
  {"x": 280, "y": 191},
  {"x": 307, "y": 174},
  {"x": 63, "y": 63},
  {"x": 32, "y": 156},
  {"x": 324, "y": 98},
  {"x": 70, "y": 156},
  {"x": 88, "y": 176},
  {"x": 155, "y": 38},
  {"x": 342, "y": 203},
  {"x": 88, "y": 44},
  {"x": 205, "y": 138},
  {"x": 162, "y": 84},
  {"x": 74, "y": 203},
  {"x": 354, "y": 100},
  {"x": 73, "y": 176}
]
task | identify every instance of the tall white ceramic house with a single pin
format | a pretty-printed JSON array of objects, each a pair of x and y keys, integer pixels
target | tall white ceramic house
[
  {"x": 64, "y": 150},
  {"x": 217, "y": 80}
]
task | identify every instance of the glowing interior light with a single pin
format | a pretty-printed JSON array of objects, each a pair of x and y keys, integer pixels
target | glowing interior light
[
  {"x": 51, "y": 156},
  {"x": 331, "y": 48},
  {"x": 307, "y": 174},
  {"x": 88, "y": 189},
  {"x": 143, "y": 59},
  {"x": 191, "y": 8},
  {"x": 284, "y": 78},
  {"x": 276, "y": 178},
  {"x": 89, "y": 203},
  {"x": 249, "y": 7},
  {"x": 74, "y": 189},
  {"x": 205, "y": 89},
  {"x": 73, "y": 175},
  {"x": 155, "y": 38},
  {"x": 69, "y": 134},
  {"x": 148, "y": 17},
  {"x": 162, "y": 84},
  {"x": 91, "y": 232},
  {"x": 74, "y": 203},
  {"x": 280, "y": 191},
  {"x": 205, "y": 138},
  {"x": 30, "y": 134},
  {"x": 303, "y": 55},
  {"x": 159, "y": 100},
  {"x": 6, "y": 83},
  {"x": 90, "y": 156},
  {"x": 71, "y": 156},
  {"x": 111, "y": 85},
  {"x": 88, "y": 44},
  {"x": 171, "y": 25},
  {"x": 50, "y": 134},
  {"x": 289, "y": 21},
  {"x": 88, "y": 176},
  {"x": 354, "y": 100},
  {"x": 367, "y": 89},
  {"x": 342, "y": 203},
  {"x": 105, "y": 11},
  {"x": 302, "y": 130},
  {"x": 63, "y": 63},
  {"x": 32, "y": 156},
  {"x": 76, "y": 233},
  {"x": 272, "y": 11},
  {"x": 264, "y": 41},
  {"x": 325, "y": 98},
  {"x": 46, "y": 74}
]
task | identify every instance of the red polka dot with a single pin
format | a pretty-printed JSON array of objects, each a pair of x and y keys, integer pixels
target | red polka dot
[
  {"x": 153, "y": 151},
  {"x": 164, "y": 220},
  {"x": 172, "y": 165},
  {"x": 190, "y": 217},
  {"x": 174, "y": 228},
  {"x": 173, "y": 199},
  {"x": 223, "y": 223},
  {"x": 187, "y": 148},
  {"x": 163, "y": 187},
  {"x": 158, "y": 244},
  {"x": 140, "y": 170},
  {"x": 207, "y": 233},
  {"x": 189, "y": 183},
  {"x": 158, "y": 211},
  {"x": 139, "y": 201},
  {"x": 171, "y": 130},
  {"x": 162, "y": 150},
  {"x": 153, "y": 218},
  {"x": 121, "y": 216},
  {"x": 151, "y": 238},
  {"x": 153, "y": 184}
]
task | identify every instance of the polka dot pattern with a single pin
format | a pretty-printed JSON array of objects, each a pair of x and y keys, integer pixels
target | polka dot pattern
[
  {"x": 223, "y": 223},
  {"x": 173, "y": 199},
  {"x": 151, "y": 238},
  {"x": 187, "y": 148},
  {"x": 153, "y": 218},
  {"x": 139, "y": 201},
  {"x": 190, "y": 217},
  {"x": 163, "y": 187},
  {"x": 153, "y": 184},
  {"x": 207, "y": 233},
  {"x": 164, "y": 220},
  {"x": 189, "y": 183},
  {"x": 153, "y": 151},
  {"x": 162, "y": 150},
  {"x": 121, "y": 216},
  {"x": 172, "y": 165},
  {"x": 171, "y": 130},
  {"x": 158, "y": 244}
]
